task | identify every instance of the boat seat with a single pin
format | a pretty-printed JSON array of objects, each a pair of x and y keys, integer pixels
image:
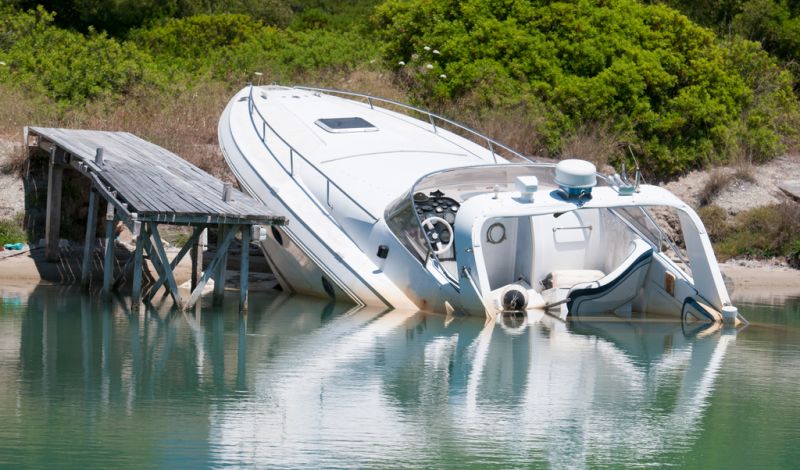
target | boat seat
[
  {"x": 566, "y": 278},
  {"x": 615, "y": 289}
]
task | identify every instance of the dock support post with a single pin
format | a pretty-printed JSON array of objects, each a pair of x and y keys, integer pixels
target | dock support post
[
  {"x": 222, "y": 247},
  {"x": 108, "y": 260},
  {"x": 197, "y": 257},
  {"x": 244, "y": 269},
  {"x": 222, "y": 266},
  {"x": 88, "y": 239},
  {"x": 136, "y": 288},
  {"x": 166, "y": 266},
  {"x": 53, "y": 225}
]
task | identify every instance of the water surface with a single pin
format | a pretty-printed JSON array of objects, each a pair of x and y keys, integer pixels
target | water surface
[{"x": 298, "y": 382}]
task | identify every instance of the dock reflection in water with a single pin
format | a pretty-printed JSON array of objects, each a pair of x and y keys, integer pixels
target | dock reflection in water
[{"x": 302, "y": 383}]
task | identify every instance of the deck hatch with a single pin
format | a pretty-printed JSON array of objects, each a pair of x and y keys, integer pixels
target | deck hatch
[{"x": 345, "y": 124}]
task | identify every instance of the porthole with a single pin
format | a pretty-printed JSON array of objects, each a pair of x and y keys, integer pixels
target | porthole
[
  {"x": 496, "y": 233},
  {"x": 276, "y": 234}
]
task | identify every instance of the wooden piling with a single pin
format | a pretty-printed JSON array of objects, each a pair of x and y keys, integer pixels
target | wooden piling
[
  {"x": 222, "y": 266},
  {"x": 244, "y": 268},
  {"x": 197, "y": 257},
  {"x": 108, "y": 259},
  {"x": 136, "y": 284},
  {"x": 55, "y": 177},
  {"x": 88, "y": 239}
]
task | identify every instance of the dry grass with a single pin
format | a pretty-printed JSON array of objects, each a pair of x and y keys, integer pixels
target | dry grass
[
  {"x": 717, "y": 181},
  {"x": 597, "y": 143},
  {"x": 745, "y": 173},
  {"x": 371, "y": 82},
  {"x": 18, "y": 109},
  {"x": 518, "y": 128},
  {"x": 721, "y": 178},
  {"x": 185, "y": 123},
  {"x": 762, "y": 232}
]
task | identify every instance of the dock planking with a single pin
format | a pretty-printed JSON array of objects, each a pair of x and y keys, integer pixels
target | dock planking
[
  {"x": 146, "y": 185},
  {"x": 155, "y": 183}
]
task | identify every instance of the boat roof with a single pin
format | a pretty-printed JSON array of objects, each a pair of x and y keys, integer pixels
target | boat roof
[{"x": 372, "y": 153}]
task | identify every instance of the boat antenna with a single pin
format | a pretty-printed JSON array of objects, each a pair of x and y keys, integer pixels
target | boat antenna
[{"x": 638, "y": 176}]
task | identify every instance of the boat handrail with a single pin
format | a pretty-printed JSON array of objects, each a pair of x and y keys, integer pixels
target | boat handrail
[
  {"x": 491, "y": 143},
  {"x": 292, "y": 152}
]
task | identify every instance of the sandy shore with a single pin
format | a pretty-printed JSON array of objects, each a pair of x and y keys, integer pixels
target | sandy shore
[{"x": 762, "y": 283}]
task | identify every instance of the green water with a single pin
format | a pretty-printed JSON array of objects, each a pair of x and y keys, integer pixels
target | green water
[{"x": 299, "y": 383}]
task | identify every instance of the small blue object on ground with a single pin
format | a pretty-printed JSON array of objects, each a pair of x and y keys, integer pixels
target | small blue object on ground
[{"x": 14, "y": 246}]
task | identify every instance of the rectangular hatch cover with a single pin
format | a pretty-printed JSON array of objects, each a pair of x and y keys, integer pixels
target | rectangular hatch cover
[{"x": 345, "y": 124}]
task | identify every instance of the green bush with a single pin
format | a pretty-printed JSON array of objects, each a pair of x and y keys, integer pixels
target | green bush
[
  {"x": 11, "y": 231},
  {"x": 70, "y": 67},
  {"x": 646, "y": 69},
  {"x": 716, "y": 221},
  {"x": 794, "y": 254},
  {"x": 773, "y": 23},
  {"x": 196, "y": 36},
  {"x": 286, "y": 55},
  {"x": 117, "y": 17}
]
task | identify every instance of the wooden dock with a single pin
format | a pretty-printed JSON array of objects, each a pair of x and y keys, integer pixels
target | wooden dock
[{"x": 145, "y": 185}]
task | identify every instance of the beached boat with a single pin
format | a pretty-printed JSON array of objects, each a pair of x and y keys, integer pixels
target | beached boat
[{"x": 391, "y": 205}]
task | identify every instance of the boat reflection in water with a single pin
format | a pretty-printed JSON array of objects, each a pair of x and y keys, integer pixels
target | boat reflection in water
[
  {"x": 405, "y": 387},
  {"x": 300, "y": 382}
]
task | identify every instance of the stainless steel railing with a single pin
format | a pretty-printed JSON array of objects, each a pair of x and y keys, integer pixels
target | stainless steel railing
[
  {"x": 255, "y": 113},
  {"x": 432, "y": 118},
  {"x": 264, "y": 125}
]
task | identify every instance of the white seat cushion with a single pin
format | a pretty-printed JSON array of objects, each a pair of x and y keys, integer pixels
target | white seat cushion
[{"x": 566, "y": 278}]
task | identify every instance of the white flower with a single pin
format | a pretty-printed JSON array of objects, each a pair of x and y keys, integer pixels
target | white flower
[
  {"x": 436, "y": 51},
  {"x": 428, "y": 66},
  {"x": 401, "y": 63},
  {"x": 2, "y": 63},
  {"x": 427, "y": 48},
  {"x": 414, "y": 56},
  {"x": 442, "y": 76}
]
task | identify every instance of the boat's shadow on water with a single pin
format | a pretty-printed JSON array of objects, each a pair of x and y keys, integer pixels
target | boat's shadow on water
[{"x": 296, "y": 373}]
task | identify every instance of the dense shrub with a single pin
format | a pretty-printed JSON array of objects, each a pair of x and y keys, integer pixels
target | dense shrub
[
  {"x": 233, "y": 47},
  {"x": 650, "y": 72},
  {"x": 773, "y": 23},
  {"x": 286, "y": 55},
  {"x": 70, "y": 67},
  {"x": 196, "y": 36},
  {"x": 118, "y": 16}
]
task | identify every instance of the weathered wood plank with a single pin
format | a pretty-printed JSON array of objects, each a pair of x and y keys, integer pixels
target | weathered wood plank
[{"x": 155, "y": 182}]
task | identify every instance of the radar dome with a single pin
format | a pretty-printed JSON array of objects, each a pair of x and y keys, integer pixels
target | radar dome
[{"x": 576, "y": 177}]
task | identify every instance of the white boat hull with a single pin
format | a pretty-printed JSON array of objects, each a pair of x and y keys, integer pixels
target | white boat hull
[{"x": 344, "y": 205}]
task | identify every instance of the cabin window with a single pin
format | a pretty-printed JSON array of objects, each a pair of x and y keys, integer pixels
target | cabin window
[{"x": 345, "y": 124}]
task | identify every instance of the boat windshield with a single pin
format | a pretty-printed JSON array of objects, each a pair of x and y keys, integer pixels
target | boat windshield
[{"x": 441, "y": 194}]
